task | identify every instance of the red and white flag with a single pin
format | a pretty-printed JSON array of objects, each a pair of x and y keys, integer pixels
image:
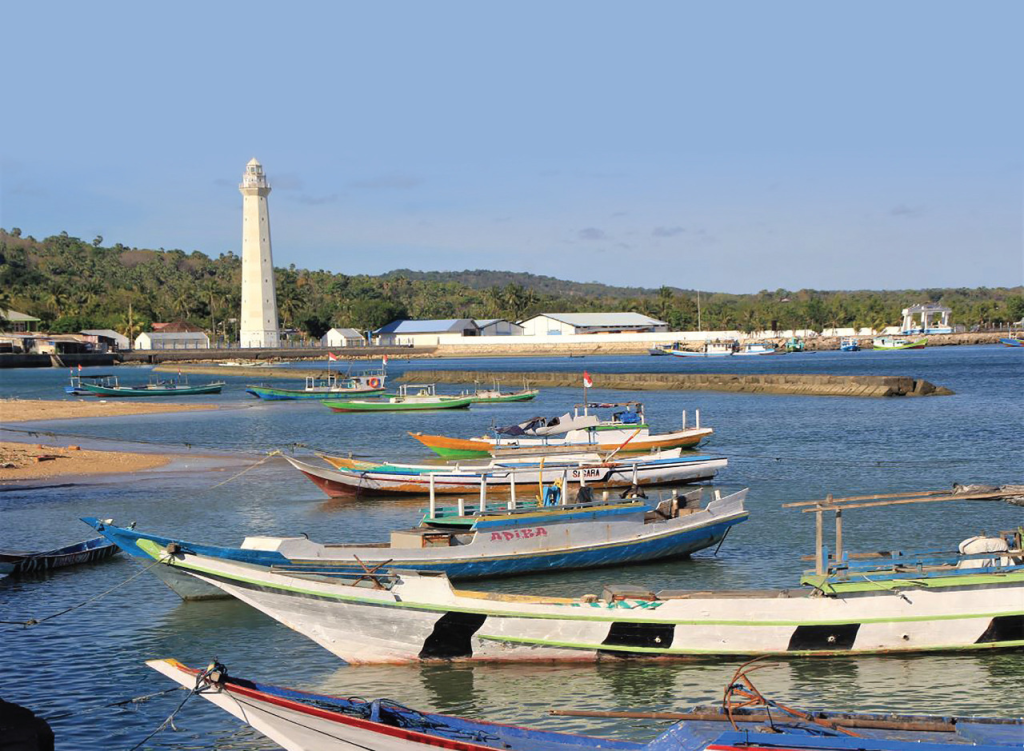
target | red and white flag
[
  {"x": 587, "y": 382},
  {"x": 384, "y": 360},
  {"x": 79, "y": 367},
  {"x": 331, "y": 357}
]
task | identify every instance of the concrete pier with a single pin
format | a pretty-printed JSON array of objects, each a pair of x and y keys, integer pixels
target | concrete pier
[{"x": 804, "y": 385}]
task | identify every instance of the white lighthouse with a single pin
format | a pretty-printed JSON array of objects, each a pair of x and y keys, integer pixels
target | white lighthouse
[{"x": 259, "y": 300}]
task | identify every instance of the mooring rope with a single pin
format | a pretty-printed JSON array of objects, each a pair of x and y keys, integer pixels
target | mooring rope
[
  {"x": 123, "y": 702},
  {"x": 37, "y": 621},
  {"x": 169, "y": 722}
]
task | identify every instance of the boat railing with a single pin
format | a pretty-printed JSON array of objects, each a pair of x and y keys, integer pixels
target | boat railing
[{"x": 838, "y": 563}]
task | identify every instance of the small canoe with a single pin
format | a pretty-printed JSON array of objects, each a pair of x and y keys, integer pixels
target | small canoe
[
  {"x": 89, "y": 551},
  {"x": 297, "y": 720}
]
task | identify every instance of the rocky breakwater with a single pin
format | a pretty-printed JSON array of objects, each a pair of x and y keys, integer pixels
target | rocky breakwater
[{"x": 804, "y": 385}]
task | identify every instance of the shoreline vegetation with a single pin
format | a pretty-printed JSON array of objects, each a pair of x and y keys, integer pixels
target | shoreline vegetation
[{"x": 72, "y": 284}]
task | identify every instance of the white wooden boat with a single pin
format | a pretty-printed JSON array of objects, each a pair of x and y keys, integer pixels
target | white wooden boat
[
  {"x": 755, "y": 348},
  {"x": 716, "y": 348},
  {"x": 897, "y": 604},
  {"x": 349, "y": 477}
]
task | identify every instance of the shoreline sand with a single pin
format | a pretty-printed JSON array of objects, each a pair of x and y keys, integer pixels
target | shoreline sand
[
  {"x": 29, "y": 461},
  {"x": 26, "y": 410}
]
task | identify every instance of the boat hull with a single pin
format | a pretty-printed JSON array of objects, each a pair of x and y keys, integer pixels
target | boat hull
[
  {"x": 519, "y": 396},
  {"x": 1012, "y": 342},
  {"x": 422, "y": 617},
  {"x": 341, "y": 483},
  {"x": 885, "y": 347}
]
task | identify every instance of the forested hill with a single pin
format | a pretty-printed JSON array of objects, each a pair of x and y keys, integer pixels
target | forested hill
[
  {"x": 73, "y": 284},
  {"x": 543, "y": 285}
]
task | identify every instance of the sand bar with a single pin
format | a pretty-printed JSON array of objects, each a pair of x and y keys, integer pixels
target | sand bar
[
  {"x": 23, "y": 410},
  {"x": 29, "y": 461}
]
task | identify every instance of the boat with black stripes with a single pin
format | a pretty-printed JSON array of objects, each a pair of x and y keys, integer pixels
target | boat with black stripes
[
  {"x": 745, "y": 720},
  {"x": 488, "y": 539},
  {"x": 970, "y": 599}
]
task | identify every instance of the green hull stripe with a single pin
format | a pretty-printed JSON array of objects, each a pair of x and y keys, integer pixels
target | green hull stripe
[{"x": 740, "y": 652}]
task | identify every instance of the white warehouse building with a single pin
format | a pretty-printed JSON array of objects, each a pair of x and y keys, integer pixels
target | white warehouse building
[{"x": 554, "y": 324}]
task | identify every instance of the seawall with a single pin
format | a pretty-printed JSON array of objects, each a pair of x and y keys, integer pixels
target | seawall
[{"x": 804, "y": 385}]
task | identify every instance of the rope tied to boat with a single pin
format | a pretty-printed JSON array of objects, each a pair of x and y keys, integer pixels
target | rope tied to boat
[
  {"x": 270, "y": 455},
  {"x": 204, "y": 680},
  {"x": 94, "y": 598}
]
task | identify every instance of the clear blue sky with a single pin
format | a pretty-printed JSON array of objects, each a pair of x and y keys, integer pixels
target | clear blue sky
[{"x": 730, "y": 146}]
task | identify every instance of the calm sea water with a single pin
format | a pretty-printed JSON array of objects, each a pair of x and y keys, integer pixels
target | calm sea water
[{"x": 783, "y": 448}]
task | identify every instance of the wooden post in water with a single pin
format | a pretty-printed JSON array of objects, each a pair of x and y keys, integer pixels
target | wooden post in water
[
  {"x": 433, "y": 498},
  {"x": 819, "y": 534},
  {"x": 698, "y": 419}
]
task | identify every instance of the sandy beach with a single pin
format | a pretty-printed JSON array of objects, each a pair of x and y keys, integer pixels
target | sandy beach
[
  {"x": 29, "y": 461},
  {"x": 23, "y": 410}
]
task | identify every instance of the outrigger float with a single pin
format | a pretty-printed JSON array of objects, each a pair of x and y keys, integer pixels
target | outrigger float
[
  {"x": 884, "y": 603},
  {"x": 350, "y": 477},
  {"x": 485, "y": 540},
  {"x": 746, "y": 720},
  {"x": 625, "y": 431}
]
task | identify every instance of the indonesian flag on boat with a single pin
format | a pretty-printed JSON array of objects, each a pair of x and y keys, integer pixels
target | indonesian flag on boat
[
  {"x": 331, "y": 357},
  {"x": 79, "y": 367},
  {"x": 384, "y": 360},
  {"x": 587, "y": 382}
]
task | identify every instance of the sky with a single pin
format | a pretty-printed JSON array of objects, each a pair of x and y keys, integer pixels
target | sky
[{"x": 726, "y": 146}]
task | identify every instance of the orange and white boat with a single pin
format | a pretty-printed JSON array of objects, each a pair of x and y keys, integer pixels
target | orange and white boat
[{"x": 626, "y": 431}]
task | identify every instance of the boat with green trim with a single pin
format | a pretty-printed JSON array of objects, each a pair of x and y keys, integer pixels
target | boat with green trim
[
  {"x": 410, "y": 397},
  {"x": 497, "y": 396},
  {"x": 886, "y": 343},
  {"x": 584, "y": 429},
  {"x": 972, "y": 599},
  {"x": 326, "y": 386},
  {"x": 109, "y": 386}
]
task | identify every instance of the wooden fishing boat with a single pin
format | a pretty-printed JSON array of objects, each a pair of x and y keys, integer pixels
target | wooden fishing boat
[
  {"x": 463, "y": 542},
  {"x": 892, "y": 603},
  {"x": 756, "y": 348},
  {"x": 304, "y": 721},
  {"x": 410, "y": 397},
  {"x": 851, "y": 344},
  {"x": 349, "y": 477},
  {"x": 716, "y": 348},
  {"x": 1012, "y": 341},
  {"x": 885, "y": 343},
  {"x": 89, "y": 551},
  {"x": 625, "y": 431},
  {"x": 178, "y": 387},
  {"x": 497, "y": 396},
  {"x": 329, "y": 386},
  {"x": 795, "y": 344}
]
